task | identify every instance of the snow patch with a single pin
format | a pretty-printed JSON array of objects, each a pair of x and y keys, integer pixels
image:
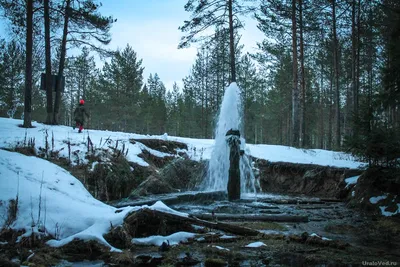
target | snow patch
[
  {"x": 375, "y": 200},
  {"x": 159, "y": 205},
  {"x": 157, "y": 240},
  {"x": 388, "y": 213},
  {"x": 219, "y": 247},
  {"x": 198, "y": 149},
  {"x": 351, "y": 180},
  {"x": 255, "y": 245},
  {"x": 323, "y": 238}
]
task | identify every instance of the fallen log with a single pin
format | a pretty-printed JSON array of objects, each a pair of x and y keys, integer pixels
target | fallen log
[
  {"x": 290, "y": 201},
  {"x": 170, "y": 223},
  {"x": 331, "y": 200},
  {"x": 315, "y": 207},
  {"x": 252, "y": 217},
  {"x": 262, "y": 207},
  {"x": 172, "y": 199}
]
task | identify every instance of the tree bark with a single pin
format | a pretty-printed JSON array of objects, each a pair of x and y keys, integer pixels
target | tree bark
[
  {"x": 357, "y": 59},
  {"x": 295, "y": 90},
  {"x": 48, "y": 83},
  {"x": 353, "y": 57},
  {"x": 336, "y": 67},
  {"x": 57, "y": 103},
  {"x": 322, "y": 107},
  {"x": 255, "y": 217},
  {"x": 330, "y": 123},
  {"x": 231, "y": 42},
  {"x": 302, "y": 81},
  {"x": 28, "y": 65},
  {"x": 131, "y": 221},
  {"x": 234, "y": 171}
]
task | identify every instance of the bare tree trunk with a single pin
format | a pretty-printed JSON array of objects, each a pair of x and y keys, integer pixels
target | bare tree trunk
[
  {"x": 231, "y": 42},
  {"x": 202, "y": 93},
  {"x": 57, "y": 103},
  {"x": 302, "y": 81},
  {"x": 330, "y": 124},
  {"x": 321, "y": 107},
  {"x": 357, "y": 59},
  {"x": 28, "y": 65},
  {"x": 336, "y": 66},
  {"x": 206, "y": 99},
  {"x": 353, "y": 54},
  {"x": 48, "y": 84},
  {"x": 295, "y": 89}
]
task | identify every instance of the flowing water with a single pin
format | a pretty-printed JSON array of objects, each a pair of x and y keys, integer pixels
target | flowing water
[{"x": 230, "y": 117}]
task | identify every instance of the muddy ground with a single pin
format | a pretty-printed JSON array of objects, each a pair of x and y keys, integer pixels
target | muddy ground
[{"x": 333, "y": 236}]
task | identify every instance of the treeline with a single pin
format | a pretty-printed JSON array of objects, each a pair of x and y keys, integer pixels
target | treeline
[
  {"x": 334, "y": 69},
  {"x": 326, "y": 76}
]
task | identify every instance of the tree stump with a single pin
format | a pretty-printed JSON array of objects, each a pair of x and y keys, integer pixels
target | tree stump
[{"x": 233, "y": 139}]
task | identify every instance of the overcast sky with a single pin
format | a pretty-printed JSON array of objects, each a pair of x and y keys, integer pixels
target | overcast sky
[{"x": 150, "y": 27}]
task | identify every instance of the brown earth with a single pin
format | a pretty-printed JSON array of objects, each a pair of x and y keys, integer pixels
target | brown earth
[
  {"x": 161, "y": 145},
  {"x": 376, "y": 182},
  {"x": 307, "y": 179}
]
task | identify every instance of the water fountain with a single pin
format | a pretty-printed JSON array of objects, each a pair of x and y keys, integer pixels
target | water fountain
[{"x": 228, "y": 136}]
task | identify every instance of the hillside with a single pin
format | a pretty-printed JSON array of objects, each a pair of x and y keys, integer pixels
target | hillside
[
  {"x": 12, "y": 136},
  {"x": 40, "y": 200}
]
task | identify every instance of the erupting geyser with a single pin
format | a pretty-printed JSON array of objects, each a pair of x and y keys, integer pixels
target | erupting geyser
[{"x": 230, "y": 118}]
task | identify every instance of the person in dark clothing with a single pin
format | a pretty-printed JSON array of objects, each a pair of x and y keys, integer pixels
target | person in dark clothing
[{"x": 79, "y": 115}]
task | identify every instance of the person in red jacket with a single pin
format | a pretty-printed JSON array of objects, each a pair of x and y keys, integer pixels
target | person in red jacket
[{"x": 79, "y": 115}]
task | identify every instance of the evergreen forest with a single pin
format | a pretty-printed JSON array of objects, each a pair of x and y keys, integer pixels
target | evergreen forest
[{"x": 326, "y": 75}]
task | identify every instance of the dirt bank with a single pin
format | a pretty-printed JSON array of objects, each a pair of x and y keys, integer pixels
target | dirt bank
[{"x": 308, "y": 179}]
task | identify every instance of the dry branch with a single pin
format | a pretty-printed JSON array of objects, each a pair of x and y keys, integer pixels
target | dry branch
[{"x": 253, "y": 217}]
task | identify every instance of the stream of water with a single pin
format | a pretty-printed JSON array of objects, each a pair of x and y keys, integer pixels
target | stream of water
[{"x": 230, "y": 117}]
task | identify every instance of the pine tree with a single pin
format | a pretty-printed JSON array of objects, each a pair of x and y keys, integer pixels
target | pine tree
[
  {"x": 11, "y": 78},
  {"x": 218, "y": 13},
  {"x": 122, "y": 80},
  {"x": 82, "y": 22}
]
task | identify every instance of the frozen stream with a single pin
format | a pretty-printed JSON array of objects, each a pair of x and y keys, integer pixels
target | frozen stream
[{"x": 320, "y": 212}]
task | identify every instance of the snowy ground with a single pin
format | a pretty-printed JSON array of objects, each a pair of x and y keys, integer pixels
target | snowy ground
[
  {"x": 50, "y": 199},
  {"x": 198, "y": 149}
]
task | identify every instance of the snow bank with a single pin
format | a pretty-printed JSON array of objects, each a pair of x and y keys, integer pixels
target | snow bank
[
  {"x": 50, "y": 199},
  {"x": 198, "y": 149},
  {"x": 275, "y": 153},
  {"x": 11, "y": 134}
]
